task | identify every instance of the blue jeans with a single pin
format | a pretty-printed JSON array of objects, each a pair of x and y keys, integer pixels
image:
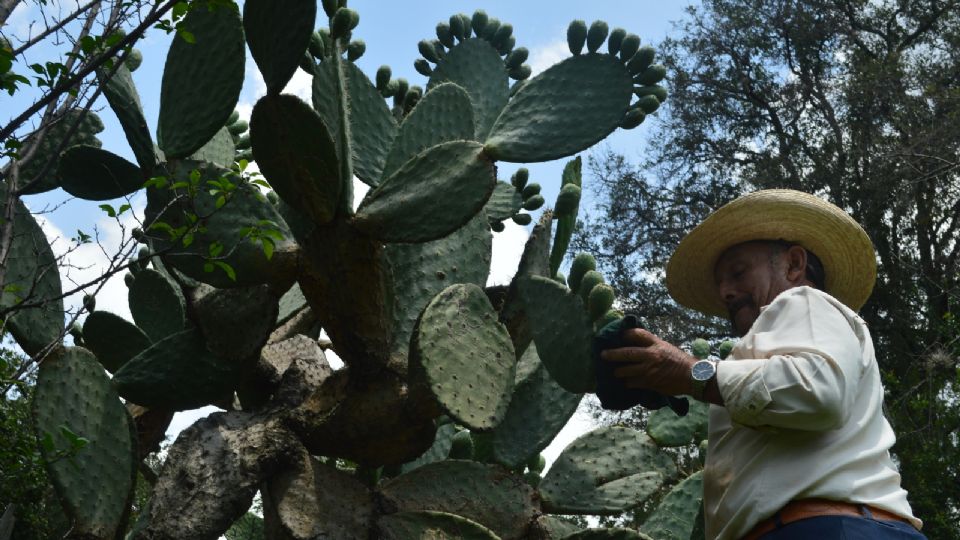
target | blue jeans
[{"x": 844, "y": 528}]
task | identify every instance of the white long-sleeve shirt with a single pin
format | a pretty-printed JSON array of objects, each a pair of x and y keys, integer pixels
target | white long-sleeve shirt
[{"x": 802, "y": 418}]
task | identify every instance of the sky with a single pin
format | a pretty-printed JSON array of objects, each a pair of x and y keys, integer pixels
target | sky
[{"x": 391, "y": 31}]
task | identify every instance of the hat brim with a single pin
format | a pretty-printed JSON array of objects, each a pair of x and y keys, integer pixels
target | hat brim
[{"x": 848, "y": 257}]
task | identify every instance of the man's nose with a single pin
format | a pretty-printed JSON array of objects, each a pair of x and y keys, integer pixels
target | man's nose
[{"x": 727, "y": 291}]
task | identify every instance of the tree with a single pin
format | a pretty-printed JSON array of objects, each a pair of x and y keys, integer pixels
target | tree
[
  {"x": 240, "y": 269},
  {"x": 858, "y": 102}
]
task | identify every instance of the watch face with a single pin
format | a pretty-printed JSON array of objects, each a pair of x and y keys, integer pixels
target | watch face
[{"x": 703, "y": 370}]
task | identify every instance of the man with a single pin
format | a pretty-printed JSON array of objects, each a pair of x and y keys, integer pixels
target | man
[{"x": 798, "y": 444}]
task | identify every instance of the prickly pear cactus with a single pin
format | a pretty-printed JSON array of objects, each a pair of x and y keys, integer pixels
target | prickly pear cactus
[{"x": 449, "y": 391}]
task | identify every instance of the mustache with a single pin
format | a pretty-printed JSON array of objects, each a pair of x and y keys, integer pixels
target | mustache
[{"x": 735, "y": 306}]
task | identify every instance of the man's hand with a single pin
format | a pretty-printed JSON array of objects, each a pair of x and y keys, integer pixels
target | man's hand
[{"x": 650, "y": 362}]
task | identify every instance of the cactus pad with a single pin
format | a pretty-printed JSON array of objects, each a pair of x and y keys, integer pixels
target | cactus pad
[
  {"x": 113, "y": 339},
  {"x": 504, "y": 202},
  {"x": 443, "y": 115},
  {"x": 668, "y": 429},
  {"x": 176, "y": 373},
  {"x": 562, "y": 332},
  {"x": 486, "y": 494},
  {"x": 157, "y": 305},
  {"x": 475, "y": 66},
  {"x": 467, "y": 356},
  {"x": 297, "y": 155},
  {"x": 676, "y": 516},
  {"x": 220, "y": 150},
  {"x": 605, "y": 471},
  {"x": 123, "y": 98},
  {"x": 395, "y": 211},
  {"x": 222, "y": 312},
  {"x": 432, "y": 525},
  {"x": 90, "y": 125},
  {"x": 278, "y": 32},
  {"x": 201, "y": 80},
  {"x": 566, "y": 221},
  {"x": 566, "y": 109},
  {"x": 538, "y": 411},
  {"x": 95, "y": 174},
  {"x": 95, "y": 480},
  {"x": 438, "y": 451}
]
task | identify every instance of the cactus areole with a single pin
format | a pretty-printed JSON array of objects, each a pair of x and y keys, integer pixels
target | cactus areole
[{"x": 447, "y": 388}]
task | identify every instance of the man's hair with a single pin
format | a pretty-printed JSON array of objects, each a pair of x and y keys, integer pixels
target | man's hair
[{"x": 814, "y": 271}]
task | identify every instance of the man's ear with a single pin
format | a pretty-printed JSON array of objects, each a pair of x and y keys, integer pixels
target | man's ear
[{"x": 796, "y": 264}]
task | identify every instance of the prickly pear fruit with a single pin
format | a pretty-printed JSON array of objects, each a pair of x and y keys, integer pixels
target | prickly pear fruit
[
  {"x": 519, "y": 178},
  {"x": 502, "y": 35},
  {"x": 576, "y": 36},
  {"x": 89, "y": 303},
  {"x": 652, "y": 75},
  {"x": 517, "y": 57},
  {"x": 445, "y": 35},
  {"x": 77, "y": 332},
  {"x": 238, "y": 127},
  {"x": 532, "y": 478},
  {"x": 355, "y": 50},
  {"x": 456, "y": 26},
  {"x": 137, "y": 234},
  {"x": 652, "y": 90},
  {"x": 330, "y": 7},
  {"x": 533, "y": 203},
  {"x": 725, "y": 348},
  {"x": 590, "y": 280},
  {"x": 568, "y": 199},
  {"x": 648, "y": 104},
  {"x": 629, "y": 47},
  {"x": 616, "y": 38},
  {"x": 479, "y": 21},
  {"x": 537, "y": 463},
  {"x": 490, "y": 29},
  {"x": 599, "y": 301},
  {"x": 343, "y": 21},
  {"x": 609, "y": 317},
  {"x": 128, "y": 279},
  {"x": 466, "y": 23},
  {"x": 700, "y": 348},
  {"x": 428, "y": 51},
  {"x": 582, "y": 263},
  {"x": 596, "y": 35},
  {"x": 134, "y": 59},
  {"x": 383, "y": 77},
  {"x": 702, "y": 457},
  {"x": 273, "y": 198},
  {"x": 316, "y": 46},
  {"x": 423, "y": 67},
  {"x": 633, "y": 118},
  {"x": 530, "y": 190},
  {"x": 497, "y": 226},
  {"x": 645, "y": 56},
  {"x": 522, "y": 219},
  {"x": 462, "y": 445},
  {"x": 520, "y": 73}
]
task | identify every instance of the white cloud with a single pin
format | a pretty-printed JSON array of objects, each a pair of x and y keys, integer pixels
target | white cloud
[
  {"x": 507, "y": 249},
  {"x": 547, "y": 55}
]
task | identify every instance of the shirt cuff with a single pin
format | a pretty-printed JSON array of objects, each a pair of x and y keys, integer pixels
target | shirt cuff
[{"x": 744, "y": 393}]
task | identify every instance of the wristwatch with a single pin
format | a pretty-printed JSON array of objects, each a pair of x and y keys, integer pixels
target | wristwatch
[{"x": 700, "y": 374}]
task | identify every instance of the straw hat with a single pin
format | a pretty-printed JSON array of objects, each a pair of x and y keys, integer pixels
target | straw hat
[{"x": 776, "y": 214}]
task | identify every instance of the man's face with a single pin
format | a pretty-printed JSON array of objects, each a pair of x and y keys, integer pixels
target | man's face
[{"x": 749, "y": 276}]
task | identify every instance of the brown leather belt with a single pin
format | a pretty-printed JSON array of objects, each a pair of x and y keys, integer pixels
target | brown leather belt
[{"x": 809, "y": 508}]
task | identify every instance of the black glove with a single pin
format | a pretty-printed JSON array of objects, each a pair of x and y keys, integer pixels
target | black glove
[{"x": 611, "y": 391}]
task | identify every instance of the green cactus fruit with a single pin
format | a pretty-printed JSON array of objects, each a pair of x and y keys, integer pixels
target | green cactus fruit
[
  {"x": 324, "y": 34},
  {"x": 456, "y": 27},
  {"x": 576, "y": 36},
  {"x": 532, "y": 478},
  {"x": 648, "y": 104},
  {"x": 490, "y": 29},
  {"x": 76, "y": 331},
  {"x": 652, "y": 90},
  {"x": 330, "y": 7},
  {"x": 517, "y": 57},
  {"x": 234, "y": 117},
  {"x": 590, "y": 280},
  {"x": 521, "y": 73},
  {"x": 533, "y": 203},
  {"x": 497, "y": 226},
  {"x": 466, "y": 21},
  {"x": 520, "y": 178},
  {"x": 445, "y": 35},
  {"x": 725, "y": 348},
  {"x": 143, "y": 256},
  {"x": 609, "y": 317},
  {"x": 582, "y": 263},
  {"x": 428, "y": 51},
  {"x": 568, "y": 200},
  {"x": 316, "y": 47},
  {"x": 89, "y": 303},
  {"x": 651, "y": 75},
  {"x": 479, "y": 21},
  {"x": 128, "y": 279},
  {"x": 412, "y": 98},
  {"x": 633, "y": 118},
  {"x": 616, "y": 39},
  {"x": 342, "y": 22},
  {"x": 702, "y": 455},
  {"x": 355, "y": 50},
  {"x": 383, "y": 77},
  {"x": 644, "y": 57},
  {"x": 402, "y": 87},
  {"x": 599, "y": 301},
  {"x": 700, "y": 348},
  {"x": 422, "y": 67},
  {"x": 273, "y": 198},
  {"x": 596, "y": 35},
  {"x": 522, "y": 219},
  {"x": 502, "y": 35},
  {"x": 243, "y": 143},
  {"x": 530, "y": 190},
  {"x": 134, "y": 59},
  {"x": 537, "y": 463},
  {"x": 278, "y": 32},
  {"x": 461, "y": 446},
  {"x": 629, "y": 47},
  {"x": 238, "y": 127}
]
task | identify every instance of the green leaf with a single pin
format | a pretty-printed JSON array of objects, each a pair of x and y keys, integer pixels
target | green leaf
[
  {"x": 109, "y": 210},
  {"x": 227, "y": 269}
]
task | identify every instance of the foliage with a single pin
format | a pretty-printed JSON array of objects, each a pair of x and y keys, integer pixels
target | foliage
[{"x": 855, "y": 101}]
